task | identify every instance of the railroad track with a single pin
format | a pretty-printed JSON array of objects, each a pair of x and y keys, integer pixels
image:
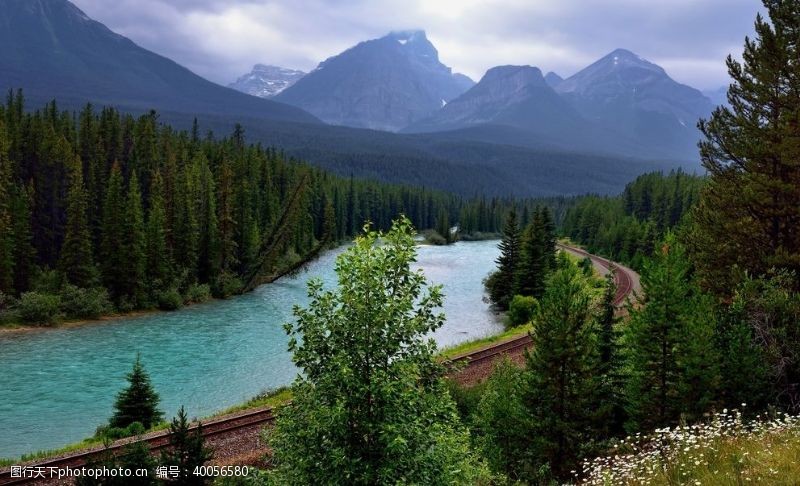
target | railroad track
[
  {"x": 155, "y": 441},
  {"x": 262, "y": 416},
  {"x": 622, "y": 279}
]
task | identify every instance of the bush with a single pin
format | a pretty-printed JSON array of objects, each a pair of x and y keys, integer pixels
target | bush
[
  {"x": 521, "y": 310},
  {"x": 197, "y": 293},
  {"x": 434, "y": 238},
  {"x": 47, "y": 282},
  {"x": 170, "y": 299},
  {"x": 116, "y": 433},
  {"x": 39, "y": 308},
  {"x": 227, "y": 285},
  {"x": 78, "y": 303}
]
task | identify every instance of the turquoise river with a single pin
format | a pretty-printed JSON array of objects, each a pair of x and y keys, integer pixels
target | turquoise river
[{"x": 58, "y": 385}]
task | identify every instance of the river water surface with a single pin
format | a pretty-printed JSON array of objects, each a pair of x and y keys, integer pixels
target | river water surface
[{"x": 58, "y": 385}]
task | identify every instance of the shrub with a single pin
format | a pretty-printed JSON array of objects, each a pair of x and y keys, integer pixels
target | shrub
[
  {"x": 39, "y": 308},
  {"x": 197, "y": 293},
  {"x": 47, "y": 282},
  {"x": 227, "y": 285},
  {"x": 78, "y": 303},
  {"x": 434, "y": 238},
  {"x": 521, "y": 310},
  {"x": 170, "y": 299},
  {"x": 115, "y": 433}
]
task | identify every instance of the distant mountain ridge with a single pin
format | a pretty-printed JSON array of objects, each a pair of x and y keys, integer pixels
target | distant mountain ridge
[
  {"x": 620, "y": 104},
  {"x": 54, "y": 50},
  {"x": 266, "y": 81},
  {"x": 638, "y": 99},
  {"x": 516, "y": 96},
  {"x": 382, "y": 84}
]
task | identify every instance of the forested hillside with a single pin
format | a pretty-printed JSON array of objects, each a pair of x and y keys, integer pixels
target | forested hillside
[
  {"x": 100, "y": 207},
  {"x": 627, "y": 227}
]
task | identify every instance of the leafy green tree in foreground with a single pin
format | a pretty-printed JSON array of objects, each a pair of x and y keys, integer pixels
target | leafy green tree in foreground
[
  {"x": 370, "y": 405},
  {"x": 138, "y": 402}
]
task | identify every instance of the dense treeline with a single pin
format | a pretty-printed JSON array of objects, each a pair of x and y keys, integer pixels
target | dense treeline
[
  {"x": 715, "y": 326},
  {"x": 99, "y": 209},
  {"x": 627, "y": 227}
]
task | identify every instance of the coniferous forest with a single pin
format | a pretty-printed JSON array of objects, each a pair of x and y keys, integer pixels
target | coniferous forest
[{"x": 103, "y": 212}]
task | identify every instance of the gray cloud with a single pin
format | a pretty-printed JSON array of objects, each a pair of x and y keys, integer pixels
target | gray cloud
[{"x": 221, "y": 40}]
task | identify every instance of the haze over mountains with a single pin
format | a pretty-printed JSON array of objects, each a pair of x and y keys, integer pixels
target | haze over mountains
[
  {"x": 266, "y": 81},
  {"x": 53, "y": 50},
  {"x": 512, "y": 133},
  {"x": 620, "y": 104},
  {"x": 382, "y": 84}
]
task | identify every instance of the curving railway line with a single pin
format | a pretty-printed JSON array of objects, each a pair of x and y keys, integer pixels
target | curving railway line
[{"x": 476, "y": 363}]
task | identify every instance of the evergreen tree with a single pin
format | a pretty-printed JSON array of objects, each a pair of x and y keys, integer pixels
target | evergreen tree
[
  {"x": 135, "y": 257},
  {"x": 114, "y": 236},
  {"x": 748, "y": 218},
  {"x": 24, "y": 251},
  {"x": 187, "y": 451},
  {"x": 443, "y": 226},
  {"x": 138, "y": 402},
  {"x": 208, "y": 243},
  {"x": 669, "y": 352},
  {"x": 76, "y": 262},
  {"x": 610, "y": 412},
  {"x": 370, "y": 405},
  {"x": 158, "y": 258},
  {"x": 560, "y": 376},
  {"x": 533, "y": 267},
  {"x": 501, "y": 284},
  {"x": 6, "y": 223}
]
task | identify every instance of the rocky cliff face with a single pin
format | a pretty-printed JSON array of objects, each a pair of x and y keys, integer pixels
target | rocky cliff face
[{"x": 384, "y": 84}]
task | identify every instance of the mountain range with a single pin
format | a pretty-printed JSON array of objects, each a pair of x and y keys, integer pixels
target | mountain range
[
  {"x": 621, "y": 104},
  {"x": 382, "y": 84},
  {"x": 266, "y": 81},
  {"x": 54, "y": 50},
  {"x": 514, "y": 132}
]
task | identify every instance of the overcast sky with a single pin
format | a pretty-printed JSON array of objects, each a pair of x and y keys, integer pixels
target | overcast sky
[{"x": 221, "y": 40}]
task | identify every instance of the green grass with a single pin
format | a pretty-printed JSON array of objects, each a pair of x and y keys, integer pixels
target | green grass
[
  {"x": 725, "y": 451},
  {"x": 271, "y": 398},
  {"x": 470, "y": 346}
]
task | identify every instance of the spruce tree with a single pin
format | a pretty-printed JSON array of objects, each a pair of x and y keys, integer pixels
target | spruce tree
[
  {"x": 158, "y": 257},
  {"x": 501, "y": 288},
  {"x": 187, "y": 451},
  {"x": 114, "y": 236},
  {"x": 748, "y": 218},
  {"x": 670, "y": 355},
  {"x": 610, "y": 408},
  {"x": 76, "y": 261},
  {"x": 138, "y": 402},
  {"x": 135, "y": 245},
  {"x": 6, "y": 224},
  {"x": 535, "y": 260},
  {"x": 24, "y": 251},
  {"x": 561, "y": 375}
]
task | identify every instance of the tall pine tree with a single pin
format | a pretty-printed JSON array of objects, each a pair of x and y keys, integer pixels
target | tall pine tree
[
  {"x": 748, "y": 219},
  {"x": 501, "y": 284},
  {"x": 76, "y": 262},
  {"x": 560, "y": 371}
]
